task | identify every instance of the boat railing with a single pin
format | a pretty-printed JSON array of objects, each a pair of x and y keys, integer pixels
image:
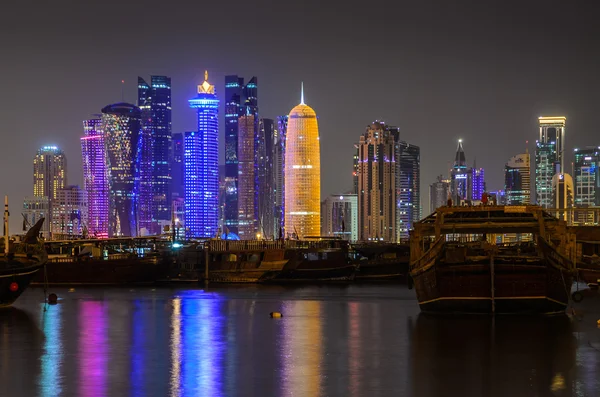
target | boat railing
[
  {"x": 428, "y": 256},
  {"x": 247, "y": 245}
]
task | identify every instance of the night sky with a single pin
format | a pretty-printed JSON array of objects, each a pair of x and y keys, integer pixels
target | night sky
[{"x": 441, "y": 70}]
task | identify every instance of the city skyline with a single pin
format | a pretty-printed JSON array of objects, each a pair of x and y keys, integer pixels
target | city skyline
[{"x": 452, "y": 73}]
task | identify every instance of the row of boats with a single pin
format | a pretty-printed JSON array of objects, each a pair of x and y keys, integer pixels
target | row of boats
[{"x": 456, "y": 260}]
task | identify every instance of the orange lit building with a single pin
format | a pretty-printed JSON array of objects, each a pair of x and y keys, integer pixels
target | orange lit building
[{"x": 302, "y": 173}]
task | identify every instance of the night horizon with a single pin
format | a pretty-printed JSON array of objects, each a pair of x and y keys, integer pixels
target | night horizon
[{"x": 444, "y": 73}]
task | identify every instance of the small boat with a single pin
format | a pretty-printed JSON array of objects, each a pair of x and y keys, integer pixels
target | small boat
[
  {"x": 459, "y": 266},
  {"x": 17, "y": 268}
]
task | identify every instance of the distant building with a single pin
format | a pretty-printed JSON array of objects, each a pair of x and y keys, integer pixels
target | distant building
[
  {"x": 240, "y": 99},
  {"x": 587, "y": 183},
  {"x": 70, "y": 214},
  {"x": 302, "y": 172},
  {"x": 124, "y": 141},
  {"x": 408, "y": 188},
  {"x": 340, "y": 216},
  {"x": 264, "y": 177},
  {"x": 355, "y": 170},
  {"x": 549, "y": 157},
  {"x": 201, "y": 151},
  {"x": 517, "y": 180},
  {"x": 279, "y": 174},
  {"x": 177, "y": 166},
  {"x": 438, "y": 193},
  {"x": 96, "y": 178},
  {"x": 476, "y": 183},
  {"x": 459, "y": 176},
  {"x": 562, "y": 195},
  {"x": 154, "y": 101},
  {"x": 246, "y": 219},
  {"x": 35, "y": 208},
  {"x": 49, "y": 173},
  {"x": 377, "y": 183}
]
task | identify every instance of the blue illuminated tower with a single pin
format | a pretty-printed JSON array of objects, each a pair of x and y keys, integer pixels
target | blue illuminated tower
[
  {"x": 240, "y": 100},
  {"x": 154, "y": 101},
  {"x": 201, "y": 164}
]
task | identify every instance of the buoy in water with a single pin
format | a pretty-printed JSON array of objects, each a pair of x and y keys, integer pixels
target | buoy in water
[
  {"x": 52, "y": 299},
  {"x": 71, "y": 289},
  {"x": 14, "y": 287},
  {"x": 275, "y": 314}
]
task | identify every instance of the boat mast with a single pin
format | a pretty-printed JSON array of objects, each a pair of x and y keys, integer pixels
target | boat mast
[{"x": 6, "y": 245}]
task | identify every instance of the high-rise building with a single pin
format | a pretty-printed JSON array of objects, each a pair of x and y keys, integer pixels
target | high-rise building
[
  {"x": 302, "y": 172},
  {"x": 517, "y": 180},
  {"x": 70, "y": 214},
  {"x": 377, "y": 183},
  {"x": 562, "y": 195},
  {"x": 459, "y": 176},
  {"x": 123, "y": 140},
  {"x": 35, "y": 208},
  {"x": 549, "y": 157},
  {"x": 247, "y": 225},
  {"x": 49, "y": 172},
  {"x": 95, "y": 176},
  {"x": 476, "y": 183},
  {"x": 279, "y": 174},
  {"x": 408, "y": 188},
  {"x": 201, "y": 151},
  {"x": 438, "y": 193},
  {"x": 240, "y": 100},
  {"x": 264, "y": 177},
  {"x": 177, "y": 166},
  {"x": 154, "y": 101},
  {"x": 340, "y": 216},
  {"x": 587, "y": 177},
  {"x": 355, "y": 170}
]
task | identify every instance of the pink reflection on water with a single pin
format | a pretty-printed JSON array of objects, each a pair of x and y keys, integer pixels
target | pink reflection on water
[{"x": 92, "y": 349}]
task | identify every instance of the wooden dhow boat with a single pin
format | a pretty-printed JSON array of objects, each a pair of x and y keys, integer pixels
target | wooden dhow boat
[{"x": 461, "y": 262}]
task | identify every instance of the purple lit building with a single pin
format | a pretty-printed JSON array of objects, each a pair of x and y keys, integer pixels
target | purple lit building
[
  {"x": 95, "y": 177},
  {"x": 477, "y": 183}
]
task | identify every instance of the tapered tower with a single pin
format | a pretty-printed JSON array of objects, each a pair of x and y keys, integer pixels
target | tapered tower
[{"x": 302, "y": 172}]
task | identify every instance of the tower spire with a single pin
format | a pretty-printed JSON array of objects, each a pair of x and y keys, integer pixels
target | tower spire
[{"x": 302, "y": 93}]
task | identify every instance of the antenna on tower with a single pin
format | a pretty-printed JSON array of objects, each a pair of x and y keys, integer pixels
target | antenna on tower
[
  {"x": 302, "y": 93},
  {"x": 122, "y": 90}
]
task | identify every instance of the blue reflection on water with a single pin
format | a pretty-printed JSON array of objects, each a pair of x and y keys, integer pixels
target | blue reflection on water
[
  {"x": 93, "y": 344},
  {"x": 138, "y": 360},
  {"x": 202, "y": 344},
  {"x": 52, "y": 358}
]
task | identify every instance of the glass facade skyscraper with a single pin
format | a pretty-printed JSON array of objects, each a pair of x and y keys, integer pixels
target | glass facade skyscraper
[
  {"x": 476, "y": 183},
  {"x": 240, "y": 100},
  {"x": 177, "y": 166},
  {"x": 123, "y": 140},
  {"x": 408, "y": 188},
  {"x": 154, "y": 100},
  {"x": 264, "y": 155},
  {"x": 279, "y": 174},
  {"x": 517, "y": 180},
  {"x": 49, "y": 172},
  {"x": 549, "y": 157},
  {"x": 201, "y": 151},
  {"x": 587, "y": 177},
  {"x": 246, "y": 178},
  {"x": 95, "y": 177},
  {"x": 459, "y": 176}
]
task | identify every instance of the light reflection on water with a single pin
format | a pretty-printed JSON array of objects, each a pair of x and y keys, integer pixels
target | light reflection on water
[{"x": 355, "y": 341}]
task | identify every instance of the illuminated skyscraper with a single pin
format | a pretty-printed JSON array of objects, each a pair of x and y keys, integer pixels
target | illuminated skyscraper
[
  {"x": 438, "y": 193},
  {"x": 240, "y": 100},
  {"x": 562, "y": 195},
  {"x": 201, "y": 151},
  {"x": 177, "y": 166},
  {"x": 154, "y": 101},
  {"x": 517, "y": 180},
  {"x": 279, "y": 173},
  {"x": 459, "y": 176},
  {"x": 264, "y": 177},
  {"x": 408, "y": 187},
  {"x": 95, "y": 176},
  {"x": 70, "y": 213},
  {"x": 549, "y": 157},
  {"x": 49, "y": 172},
  {"x": 355, "y": 169},
  {"x": 476, "y": 183},
  {"x": 123, "y": 140},
  {"x": 377, "y": 183},
  {"x": 247, "y": 226},
  {"x": 302, "y": 172},
  {"x": 587, "y": 183}
]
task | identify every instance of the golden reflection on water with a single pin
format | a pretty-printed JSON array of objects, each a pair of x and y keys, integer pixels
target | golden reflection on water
[
  {"x": 302, "y": 349},
  {"x": 354, "y": 347},
  {"x": 175, "y": 347}
]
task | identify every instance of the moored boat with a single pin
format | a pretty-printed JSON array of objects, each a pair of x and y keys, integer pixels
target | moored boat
[
  {"x": 458, "y": 266},
  {"x": 381, "y": 261}
]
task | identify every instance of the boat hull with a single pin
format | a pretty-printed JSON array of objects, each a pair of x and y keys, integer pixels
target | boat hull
[
  {"x": 382, "y": 270},
  {"x": 19, "y": 279},
  {"x": 89, "y": 271}
]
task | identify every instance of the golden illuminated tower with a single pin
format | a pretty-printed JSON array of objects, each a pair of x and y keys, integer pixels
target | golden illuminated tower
[{"x": 302, "y": 172}]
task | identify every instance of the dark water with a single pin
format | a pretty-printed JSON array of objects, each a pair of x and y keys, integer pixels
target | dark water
[{"x": 332, "y": 341}]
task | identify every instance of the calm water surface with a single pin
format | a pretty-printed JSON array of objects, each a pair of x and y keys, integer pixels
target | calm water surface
[{"x": 359, "y": 340}]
